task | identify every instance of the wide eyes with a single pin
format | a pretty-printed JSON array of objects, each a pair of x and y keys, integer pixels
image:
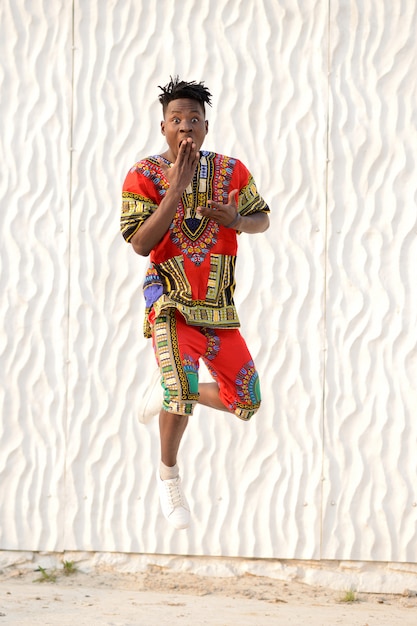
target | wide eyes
[{"x": 194, "y": 120}]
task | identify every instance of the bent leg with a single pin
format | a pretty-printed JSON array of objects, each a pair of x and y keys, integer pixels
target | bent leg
[
  {"x": 234, "y": 373},
  {"x": 209, "y": 395}
]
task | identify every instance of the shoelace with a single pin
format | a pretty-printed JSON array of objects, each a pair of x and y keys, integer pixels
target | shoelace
[{"x": 174, "y": 492}]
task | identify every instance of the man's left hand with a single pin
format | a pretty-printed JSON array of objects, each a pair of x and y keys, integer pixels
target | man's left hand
[{"x": 225, "y": 214}]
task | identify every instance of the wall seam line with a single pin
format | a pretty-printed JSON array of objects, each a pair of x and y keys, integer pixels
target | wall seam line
[
  {"x": 68, "y": 303},
  {"x": 323, "y": 400}
]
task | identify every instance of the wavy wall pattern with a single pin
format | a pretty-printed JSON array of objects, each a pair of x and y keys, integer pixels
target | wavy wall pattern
[
  {"x": 369, "y": 508},
  {"x": 326, "y": 313},
  {"x": 34, "y": 190},
  {"x": 250, "y": 490}
]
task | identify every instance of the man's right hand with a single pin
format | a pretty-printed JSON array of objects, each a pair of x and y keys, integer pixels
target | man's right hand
[{"x": 180, "y": 174}]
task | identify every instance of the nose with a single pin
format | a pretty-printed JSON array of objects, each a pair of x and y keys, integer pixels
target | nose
[{"x": 185, "y": 126}]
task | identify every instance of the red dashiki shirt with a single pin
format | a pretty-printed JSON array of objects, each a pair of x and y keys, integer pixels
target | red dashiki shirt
[{"x": 193, "y": 266}]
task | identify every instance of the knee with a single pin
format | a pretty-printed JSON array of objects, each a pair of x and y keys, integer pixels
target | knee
[
  {"x": 173, "y": 418},
  {"x": 245, "y": 413},
  {"x": 248, "y": 393}
]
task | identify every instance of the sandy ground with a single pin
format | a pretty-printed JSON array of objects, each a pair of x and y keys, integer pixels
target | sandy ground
[{"x": 158, "y": 597}]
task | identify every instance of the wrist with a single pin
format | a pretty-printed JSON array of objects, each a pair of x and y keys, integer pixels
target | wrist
[
  {"x": 174, "y": 190},
  {"x": 234, "y": 223}
]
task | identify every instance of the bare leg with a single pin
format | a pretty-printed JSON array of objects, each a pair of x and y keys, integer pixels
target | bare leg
[
  {"x": 171, "y": 429},
  {"x": 209, "y": 396},
  {"x": 172, "y": 426}
]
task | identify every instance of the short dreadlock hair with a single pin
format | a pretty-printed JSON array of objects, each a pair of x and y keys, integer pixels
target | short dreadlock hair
[{"x": 177, "y": 88}]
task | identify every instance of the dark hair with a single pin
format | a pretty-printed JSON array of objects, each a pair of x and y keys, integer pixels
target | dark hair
[{"x": 177, "y": 88}]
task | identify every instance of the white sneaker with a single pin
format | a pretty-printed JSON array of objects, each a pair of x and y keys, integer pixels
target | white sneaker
[
  {"x": 173, "y": 503},
  {"x": 152, "y": 399}
]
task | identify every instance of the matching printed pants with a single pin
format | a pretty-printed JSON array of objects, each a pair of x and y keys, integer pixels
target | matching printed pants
[{"x": 178, "y": 349}]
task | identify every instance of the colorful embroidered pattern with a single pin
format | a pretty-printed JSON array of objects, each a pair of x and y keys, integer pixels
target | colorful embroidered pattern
[
  {"x": 223, "y": 171},
  {"x": 151, "y": 169},
  {"x": 249, "y": 199},
  {"x": 249, "y": 391},
  {"x": 195, "y": 259},
  {"x": 217, "y": 309},
  {"x": 213, "y": 343},
  {"x": 152, "y": 287},
  {"x": 179, "y": 348},
  {"x": 136, "y": 206},
  {"x": 176, "y": 283},
  {"x": 135, "y": 210},
  {"x": 180, "y": 383},
  {"x": 197, "y": 315},
  {"x": 191, "y": 371},
  {"x": 195, "y": 250},
  {"x": 195, "y": 235},
  {"x": 221, "y": 281}
]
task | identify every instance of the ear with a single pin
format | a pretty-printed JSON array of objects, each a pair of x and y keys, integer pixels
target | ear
[
  {"x": 163, "y": 127},
  {"x": 206, "y": 122}
]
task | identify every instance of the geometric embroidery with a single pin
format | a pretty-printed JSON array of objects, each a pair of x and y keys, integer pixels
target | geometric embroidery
[
  {"x": 166, "y": 286},
  {"x": 180, "y": 384},
  {"x": 213, "y": 343},
  {"x": 191, "y": 371},
  {"x": 249, "y": 391},
  {"x": 195, "y": 249},
  {"x": 135, "y": 211},
  {"x": 193, "y": 234},
  {"x": 170, "y": 282},
  {"x": 221, "y": 281}
]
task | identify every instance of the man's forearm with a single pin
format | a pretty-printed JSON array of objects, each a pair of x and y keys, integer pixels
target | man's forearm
[
  {"x": 155, "y": 227},
  {"x": 256, "y": 223}
]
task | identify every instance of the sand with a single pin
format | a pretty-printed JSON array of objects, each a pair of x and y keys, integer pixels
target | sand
[{"x": 159, "y": 597}]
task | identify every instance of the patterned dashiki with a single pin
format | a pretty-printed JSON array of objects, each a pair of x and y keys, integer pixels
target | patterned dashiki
[{"x": 192, "y": 268}]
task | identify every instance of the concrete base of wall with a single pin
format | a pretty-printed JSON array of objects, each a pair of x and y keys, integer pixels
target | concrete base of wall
[{"x": 361, "y": 576}]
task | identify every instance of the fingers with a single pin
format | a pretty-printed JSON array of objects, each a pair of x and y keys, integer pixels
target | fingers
[
  {"x": 187, "y": 150},
  {"x": 221, "y": 213},
  {"x": 231, "y": 202},
  {"x": 233, "y": 197},
  {"x": 164, "y": 166},
  {"x": 180, "y": 173}
]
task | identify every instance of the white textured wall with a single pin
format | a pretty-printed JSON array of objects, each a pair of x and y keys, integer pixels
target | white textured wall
[
  {"x": 370, "y": 453},
  {"x": 319, "y": 100},
  {"x": 35, "y": 99}
]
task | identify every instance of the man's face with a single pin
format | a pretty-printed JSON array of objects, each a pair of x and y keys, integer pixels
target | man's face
[{"x": 183, "y": 118}]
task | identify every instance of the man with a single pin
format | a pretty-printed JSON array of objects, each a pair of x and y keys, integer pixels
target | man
[{"x": 185, "y": 208}]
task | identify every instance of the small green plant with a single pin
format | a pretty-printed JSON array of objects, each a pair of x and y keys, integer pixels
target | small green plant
[
  {"x": 45, "y": 576},
  {"x": 350, "y": 596},
  {"x": 69, "y": 568}
]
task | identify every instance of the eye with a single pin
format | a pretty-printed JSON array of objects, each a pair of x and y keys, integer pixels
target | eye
[{"x": 195, "y": 119}]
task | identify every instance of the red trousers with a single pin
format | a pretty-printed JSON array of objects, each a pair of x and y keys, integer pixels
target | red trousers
[{"x": 178, "y": 349}]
